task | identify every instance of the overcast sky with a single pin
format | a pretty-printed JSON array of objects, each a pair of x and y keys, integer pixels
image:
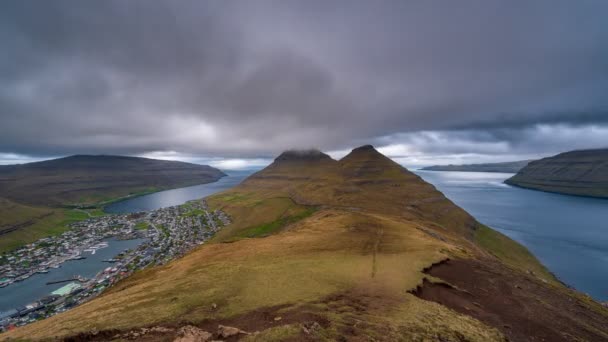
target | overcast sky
[{"x": 233, "y": 83}]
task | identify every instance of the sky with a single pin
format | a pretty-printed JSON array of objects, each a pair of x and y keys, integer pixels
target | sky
[{"x": 234, "y": 83}]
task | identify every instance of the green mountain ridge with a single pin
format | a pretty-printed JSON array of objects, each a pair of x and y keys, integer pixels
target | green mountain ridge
[{"x": 581, "y": 173}]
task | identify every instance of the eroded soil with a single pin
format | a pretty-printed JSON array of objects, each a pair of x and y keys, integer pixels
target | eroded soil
[{"x": 520, "y": 305}]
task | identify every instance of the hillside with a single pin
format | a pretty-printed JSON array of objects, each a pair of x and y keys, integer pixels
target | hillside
[
  {"x": 35, "y": 198},
  {"x": 321, "y": 250},
  {"x": 583, "y": 173},
  {"x": 82, "y": 179},
  {"x": 506, "y": 167}
]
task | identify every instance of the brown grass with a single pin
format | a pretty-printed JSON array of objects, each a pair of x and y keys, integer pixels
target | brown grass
[{"x": 376, "y": 229}]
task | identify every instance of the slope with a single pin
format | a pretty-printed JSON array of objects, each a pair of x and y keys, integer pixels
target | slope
[
  {"x": 583, "y": 173},
  {"x": 351, "y": 255},
  {"x": 82, "y": 179}
]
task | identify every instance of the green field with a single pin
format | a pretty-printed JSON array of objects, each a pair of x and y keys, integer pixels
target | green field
[{"x": 57, "y": 222}]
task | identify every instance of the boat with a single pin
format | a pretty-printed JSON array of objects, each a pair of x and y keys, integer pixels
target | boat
[{"x": 42, "y": 271}]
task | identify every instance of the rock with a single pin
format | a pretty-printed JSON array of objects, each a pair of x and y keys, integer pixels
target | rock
[
  {"x": 160, "y": 330},
  {"x": 190, "y": 333},
  {"x": 310, "y": 327},
  {"x": 224, "y": 331}
]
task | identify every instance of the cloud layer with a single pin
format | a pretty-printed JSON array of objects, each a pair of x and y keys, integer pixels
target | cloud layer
[{"x": 249, "y": 79}]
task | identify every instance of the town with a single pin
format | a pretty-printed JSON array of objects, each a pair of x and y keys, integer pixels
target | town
[{"x": 167, "y": 233}]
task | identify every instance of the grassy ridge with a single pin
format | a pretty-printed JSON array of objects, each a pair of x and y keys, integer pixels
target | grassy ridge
[
  {"x": 510, "y": 252},
  {"x": 343, "y": 241},
  {"x": 289, "y": 217}
]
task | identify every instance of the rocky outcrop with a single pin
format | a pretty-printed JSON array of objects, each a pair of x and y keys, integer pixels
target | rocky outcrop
[
  {"x": 226, "y": 331},
  {"x": 582, "y": 173},
  {"x": 190, "y": 333}
]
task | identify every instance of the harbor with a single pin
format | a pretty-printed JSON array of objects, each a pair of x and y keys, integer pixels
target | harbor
[{"x": 127, "y": 242}]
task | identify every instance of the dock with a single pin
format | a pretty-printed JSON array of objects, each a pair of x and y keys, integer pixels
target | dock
[{"x": 74, "y": 278}]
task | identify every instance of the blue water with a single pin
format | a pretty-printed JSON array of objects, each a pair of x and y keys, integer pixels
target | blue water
[
  {"x": 568, "y": 234},
  {"x": 34, "y": 288},
  {"x": 173, "y": 197}
]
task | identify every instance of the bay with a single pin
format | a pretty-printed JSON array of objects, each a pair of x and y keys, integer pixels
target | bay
[{"x": 568, "y": 234}]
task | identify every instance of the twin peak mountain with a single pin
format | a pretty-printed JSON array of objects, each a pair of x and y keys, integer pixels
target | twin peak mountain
[{"x": 364, "y": 180}]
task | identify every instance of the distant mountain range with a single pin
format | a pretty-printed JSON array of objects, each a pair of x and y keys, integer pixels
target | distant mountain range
[
  {"x": 507, "y": 167},
  {"x": 583, "y": 173},
  {"x": 88, "y": 179}
]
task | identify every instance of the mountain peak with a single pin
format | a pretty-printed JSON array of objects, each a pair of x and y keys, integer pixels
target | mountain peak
[
  {"x": 302, "y": 155},
  {"x": 366, "y": 152},
  {"x": 365, "y": 148}
]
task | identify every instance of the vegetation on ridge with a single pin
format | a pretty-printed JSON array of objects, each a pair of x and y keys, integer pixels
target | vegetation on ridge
[{"x": 353, "y": 265}]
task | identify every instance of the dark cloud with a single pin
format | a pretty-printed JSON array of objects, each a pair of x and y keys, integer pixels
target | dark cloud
[{"x": 253, "y": 78}]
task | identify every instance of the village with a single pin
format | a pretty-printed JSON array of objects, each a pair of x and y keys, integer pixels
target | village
[{"x": 167, "y": 233}]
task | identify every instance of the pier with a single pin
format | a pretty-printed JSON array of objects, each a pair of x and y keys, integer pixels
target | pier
[{"x": 74, "y": 278}]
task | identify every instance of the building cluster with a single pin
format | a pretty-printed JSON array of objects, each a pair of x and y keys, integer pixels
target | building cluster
[{"x": 168, "y": 234}]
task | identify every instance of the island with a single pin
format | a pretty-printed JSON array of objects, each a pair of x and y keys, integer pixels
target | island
[
  {"x": 504, "y": 167},
  {"x": 317, "y": 249},
  {"x": 581, "y": 173},
  {"x": 42, "y": 198}
]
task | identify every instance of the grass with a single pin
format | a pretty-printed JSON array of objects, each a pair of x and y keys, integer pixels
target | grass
[
  {"x": 347, "y": 229},
  {"x": 275, "y": 334},
  {"x": 330, "y": 251},
  {"x": 54, "y": 224},
  {"x": 276, "y": 225},
  {"x": 194, "y": 213},
  {"x": 257, "y": 216},
  {"x": 143, "y": 225},
  {"x": 510, "y": 252},
  {"x": 164, "y": 230},
  {"x": 99, "y": 200}
]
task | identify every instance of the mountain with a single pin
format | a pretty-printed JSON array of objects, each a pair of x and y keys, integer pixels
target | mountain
[
  {"x": 35, "y": 197},
  {"x": 352, "y": 250},
  {"x": 85, "y": 179},
  {"x": 507, "y": 167},
  {"x": 583, "y": 173}
]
